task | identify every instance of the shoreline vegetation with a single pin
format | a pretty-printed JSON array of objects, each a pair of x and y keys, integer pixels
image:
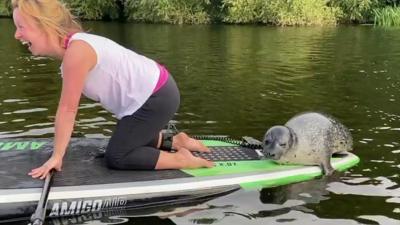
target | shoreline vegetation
[{"x": 265, "y": 12}]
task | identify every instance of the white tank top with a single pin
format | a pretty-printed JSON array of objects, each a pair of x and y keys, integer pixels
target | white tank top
[{"x": 122, "y": 80}]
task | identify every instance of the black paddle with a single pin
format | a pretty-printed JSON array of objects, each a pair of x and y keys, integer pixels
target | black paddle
[{"x": 39, "y": 215}]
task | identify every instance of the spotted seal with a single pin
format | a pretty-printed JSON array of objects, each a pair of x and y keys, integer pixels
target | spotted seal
[{"x": 308, "y": 139}]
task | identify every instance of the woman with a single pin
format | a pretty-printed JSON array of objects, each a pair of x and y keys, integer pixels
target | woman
[{"x": 141, "y": 93}]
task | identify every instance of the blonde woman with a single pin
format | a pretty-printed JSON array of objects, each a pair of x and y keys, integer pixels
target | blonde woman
[{"x": 137, "y": 90}]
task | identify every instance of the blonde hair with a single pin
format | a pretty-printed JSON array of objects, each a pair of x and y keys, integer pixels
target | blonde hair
[{"x": 51, "y": 15}]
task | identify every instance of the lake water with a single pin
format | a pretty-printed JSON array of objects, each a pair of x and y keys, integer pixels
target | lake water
[{"x": 239, "y": 81}]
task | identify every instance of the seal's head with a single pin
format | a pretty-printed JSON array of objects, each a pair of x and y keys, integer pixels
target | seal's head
[{"x": 277, "y": 141}]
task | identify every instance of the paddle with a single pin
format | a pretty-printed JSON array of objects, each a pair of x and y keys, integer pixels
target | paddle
[{"x": 39, "y": 215}]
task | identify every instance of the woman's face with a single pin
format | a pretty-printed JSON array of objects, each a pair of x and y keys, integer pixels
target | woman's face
[{"x": 30, "y": 34}]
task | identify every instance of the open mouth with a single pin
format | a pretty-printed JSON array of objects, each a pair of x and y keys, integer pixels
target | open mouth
[{"x": 27, "y": 43}]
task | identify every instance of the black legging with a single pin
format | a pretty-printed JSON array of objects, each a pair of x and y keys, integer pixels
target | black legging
[{"x": 133, "y": 144}]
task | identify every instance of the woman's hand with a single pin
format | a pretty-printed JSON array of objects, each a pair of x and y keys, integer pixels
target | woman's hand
[{"x": 41, "y": 172}]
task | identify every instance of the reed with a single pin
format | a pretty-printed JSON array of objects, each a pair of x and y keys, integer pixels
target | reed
[{"x": 387, "y": 17}]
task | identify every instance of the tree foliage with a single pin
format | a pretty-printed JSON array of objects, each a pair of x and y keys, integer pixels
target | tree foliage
[
  {"x": 281, "y": 12},
  {"x": 168, "y": 11},
  {"x": 355, "y": 11},
  {"x": 94, "y": 9},
  {"x": 5, "y": 8},
  {"x": 275, "y": 12}
]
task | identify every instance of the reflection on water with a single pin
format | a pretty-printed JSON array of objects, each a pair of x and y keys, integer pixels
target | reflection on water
[{"x": 240, "y": 80}]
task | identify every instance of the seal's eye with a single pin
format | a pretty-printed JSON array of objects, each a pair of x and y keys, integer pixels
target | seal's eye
[
  {"x": 266, "y": 142},
  {"x": 283, "y": 145}
]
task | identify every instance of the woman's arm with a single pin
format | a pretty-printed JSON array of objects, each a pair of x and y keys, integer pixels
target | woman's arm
[{"x": 78, "y": 60}]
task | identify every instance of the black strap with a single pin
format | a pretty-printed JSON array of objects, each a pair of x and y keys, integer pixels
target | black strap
[
  {"x": 247, "y": 142},
  {"x": 166, "y": 142}
]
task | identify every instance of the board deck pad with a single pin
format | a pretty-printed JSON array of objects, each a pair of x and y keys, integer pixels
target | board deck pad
[{"x": 228, "y": 153}]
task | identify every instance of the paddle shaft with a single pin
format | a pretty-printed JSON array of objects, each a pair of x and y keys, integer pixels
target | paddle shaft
[{"x": 38, "y": 217}]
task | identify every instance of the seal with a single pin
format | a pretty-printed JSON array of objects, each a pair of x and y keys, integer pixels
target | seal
[{"x": 309, "y": 139}]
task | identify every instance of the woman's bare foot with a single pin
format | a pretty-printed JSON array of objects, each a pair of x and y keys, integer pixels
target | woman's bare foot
[
  {"x": 191, "y": 161},
  {"x": 182, "y": 140},
  {"x": 182, "y": 159}
]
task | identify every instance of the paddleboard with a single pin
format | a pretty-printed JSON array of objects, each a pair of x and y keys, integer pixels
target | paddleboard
[{"x": 86, "y": 185}]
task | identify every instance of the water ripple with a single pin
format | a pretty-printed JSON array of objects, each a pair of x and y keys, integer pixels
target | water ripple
[{"x": 381, "y": 187}]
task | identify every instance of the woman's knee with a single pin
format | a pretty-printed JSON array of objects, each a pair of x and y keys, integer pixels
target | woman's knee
[{"x": 112, "y": 161}]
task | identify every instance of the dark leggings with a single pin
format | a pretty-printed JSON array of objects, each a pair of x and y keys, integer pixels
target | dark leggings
[{"x": 133, "y": 144}]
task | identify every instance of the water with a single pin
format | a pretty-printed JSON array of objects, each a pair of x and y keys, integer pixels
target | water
[{"x": 240, "y": 80}]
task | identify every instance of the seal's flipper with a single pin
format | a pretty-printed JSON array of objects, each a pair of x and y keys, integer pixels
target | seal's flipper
[{"x": 327, "y": 168}]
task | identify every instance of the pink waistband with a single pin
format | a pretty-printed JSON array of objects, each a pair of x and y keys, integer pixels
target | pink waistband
[{"x": 162, "y": 79}]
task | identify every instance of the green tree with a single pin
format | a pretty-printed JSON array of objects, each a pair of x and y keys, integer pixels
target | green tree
[
  {"x": 168, "y": 11},
  {"x": 94, "y": 9},
  {"x": 281, "y": 12},
  {"x": 356, "y": 11},
  {"x": 5, "y": 8}
]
